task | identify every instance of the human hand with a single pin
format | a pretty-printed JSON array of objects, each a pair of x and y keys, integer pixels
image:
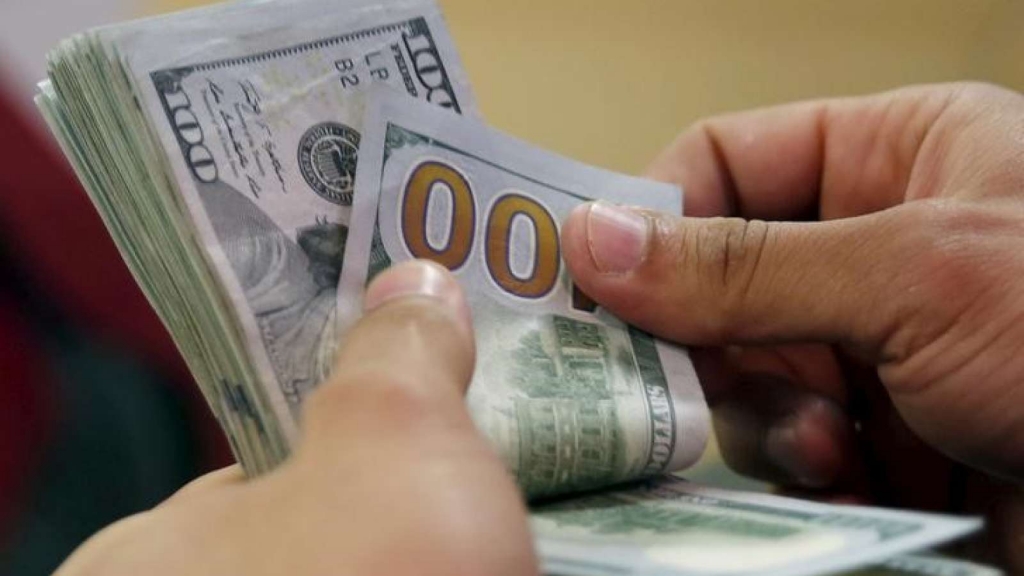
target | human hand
[
  {"x": 863, "y": 293},
  {"x": 391, "y": 476}
]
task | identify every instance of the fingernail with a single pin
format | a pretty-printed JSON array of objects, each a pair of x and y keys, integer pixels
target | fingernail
[
  {"x": 782, "y": 447},
  {"x": 617, "y": 237},
  {"x": 416, "y": 278}
]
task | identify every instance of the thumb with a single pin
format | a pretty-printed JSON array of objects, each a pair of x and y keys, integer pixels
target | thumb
[
  {"x": 389, "y": 446},
  {"x": 925, "y": 290},
  {"x": 400, "y": 375},
  {"x": 708, "y": 281}
]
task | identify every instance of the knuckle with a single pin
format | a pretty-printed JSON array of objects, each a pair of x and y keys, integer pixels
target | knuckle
[
  {"x": 948, "y": 258},
  {"x": 403, "y": 365},
  {"x": 697, "y": 133},
  {"x": 942, "y": 244},
  {"x": 728, "y": 256},
  {"x": 419, "y": 322},
  {"x": 732, "y": 251},
  {"x": 413, "y": 333},
  {"x": 416, "y": 314},
  {"x": 981, "y": 90},
  {"x": 967, "y": 95},
  {"x": 930, "y": 244}
]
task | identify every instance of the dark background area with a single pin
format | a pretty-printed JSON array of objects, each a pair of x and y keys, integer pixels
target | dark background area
[{"x": 98, "y": 416}]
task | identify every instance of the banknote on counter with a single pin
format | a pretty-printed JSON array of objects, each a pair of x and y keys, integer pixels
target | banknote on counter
[
  {"x": 669, "y": 526},
  {"x": 258, "y": 163},
  {"x": 220, "y": 146},
  {"x": 926, "y": 565}
]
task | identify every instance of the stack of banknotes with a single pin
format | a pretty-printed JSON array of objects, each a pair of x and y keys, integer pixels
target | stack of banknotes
[{"x": 257, "y": 163}]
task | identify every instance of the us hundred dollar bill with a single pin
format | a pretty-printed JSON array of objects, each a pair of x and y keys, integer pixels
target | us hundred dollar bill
[
  {"x": 220, "y": 147},
  {"x": 927, "y": 565},
  {"x": 668, "y": 526},
  {"x": 570, "y": 396}
]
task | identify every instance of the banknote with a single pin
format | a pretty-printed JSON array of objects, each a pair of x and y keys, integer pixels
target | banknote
[
  {"x": 570, "y": 396},
  {"x": 926, "y": 565},
  {"x": 669, "y": 526},
  {"x": 257, "y": 163},
  {"x": 224, "y": 168},
  {"x": 264, "y": 139}
]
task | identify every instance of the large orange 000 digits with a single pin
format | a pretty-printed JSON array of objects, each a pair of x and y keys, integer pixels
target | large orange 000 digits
[
  {"x": 422, "y": 182},
  {"x": 434, "y": 177}
]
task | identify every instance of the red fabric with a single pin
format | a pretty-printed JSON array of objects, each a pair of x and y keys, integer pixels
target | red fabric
[
  {"x": 61, "y": 241},
  {"x": 26, "y": 412},
  {"x": 57, "y": 237}
]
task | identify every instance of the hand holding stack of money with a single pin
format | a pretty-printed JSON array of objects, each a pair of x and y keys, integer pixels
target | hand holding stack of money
[{"x": 258, "y": 163}]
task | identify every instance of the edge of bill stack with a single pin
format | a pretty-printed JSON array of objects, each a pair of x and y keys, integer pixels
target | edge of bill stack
[{"x": 138, "y": 149}]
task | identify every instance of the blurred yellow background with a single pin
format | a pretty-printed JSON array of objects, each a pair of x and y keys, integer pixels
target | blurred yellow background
[{"x": 611, "y": 82}]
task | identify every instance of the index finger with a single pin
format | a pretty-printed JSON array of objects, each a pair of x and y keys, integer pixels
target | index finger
[{"x": 825, "y": 159}]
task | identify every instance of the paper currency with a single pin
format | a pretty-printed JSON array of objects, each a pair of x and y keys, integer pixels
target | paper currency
[
  {"x": 669, "y": 526},
  {"x": 570, "y": 396},
  {"x": 224, "y": 169},
  {"x": 240, "y": 164},
  {"x": 926, "y": 565}
]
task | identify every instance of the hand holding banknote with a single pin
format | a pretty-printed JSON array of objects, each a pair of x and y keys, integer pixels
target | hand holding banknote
[
  {"x": 391, "y": 477},
  {"x": 288, "y": 152},
  {"x": 912, "y": 278}
]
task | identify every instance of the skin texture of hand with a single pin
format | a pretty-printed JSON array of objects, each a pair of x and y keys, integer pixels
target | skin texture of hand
[
  {"x": 391, "y": 476},
  {"x": 853, "y": 273}
]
